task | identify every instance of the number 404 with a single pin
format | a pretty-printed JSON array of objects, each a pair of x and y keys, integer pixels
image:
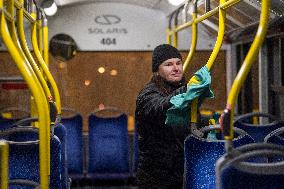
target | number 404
[{"x": 108, "y": 41}]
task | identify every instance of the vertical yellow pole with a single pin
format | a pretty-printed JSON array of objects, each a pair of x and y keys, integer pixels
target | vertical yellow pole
[
  {"x": 210, "y": 62},
  {"x": 44, "y": 65},
  {"x": 174, "y": 32},
  {"x": 37, "y": 92},
  {"x": 244, "y": 70},
  {"x": 40, "y": 35},
  {"x": 27, "y": 54},
  {"x": 45, "y": 42},
  {"x": 194, "y": 31},
  {"x": 4, "y": 153}
]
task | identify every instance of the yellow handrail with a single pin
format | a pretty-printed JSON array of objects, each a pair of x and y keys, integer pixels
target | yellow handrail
[
  {"x": 224, "y": 6},
  {"x": 210, "y": 62},
  {"x": 37, "y": 92},
  {"x": 43, "y": 64},
  {"x": 227, "y": 119},
  {"x": 169, "y": 37},
  {"x": 20, "y": 5},
  {"x": 193, "y": 40},
  {"x": 45, "y": 44},
  {"x": 12, "y": 28},
  {"x": 22, "y": 37},
  {"x": 169, "y": 30},
  {"x": 4, "y": 163},
  {"x": 40, "y": 35},
  {"x": 175, "y": 34},
  {"x": 220, "y": 37}
]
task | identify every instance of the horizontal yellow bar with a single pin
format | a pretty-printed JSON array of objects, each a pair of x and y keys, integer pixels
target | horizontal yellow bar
[
  {"x": 206, "y": 15},
  {"x": 18, "y": 6},
  {"x": 183, "y": 26}
]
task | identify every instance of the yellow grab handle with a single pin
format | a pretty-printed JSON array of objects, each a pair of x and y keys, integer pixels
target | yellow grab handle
[
  {"x": 36, "y": 91},
  {"x": 227, "y": 118},
  {"x": 4, "y": 164}
]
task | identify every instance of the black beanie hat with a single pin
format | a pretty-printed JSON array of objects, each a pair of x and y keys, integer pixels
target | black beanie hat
[{"x": 162, "y": 53}]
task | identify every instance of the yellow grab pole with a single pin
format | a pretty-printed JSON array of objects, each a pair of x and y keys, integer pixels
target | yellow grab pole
[
  {"x": 175, "y": 34},
  {"x": 22, "y": 37},
  {"x": 11, "y": 25},
  {"x": 210, "y": 62},
  {"x": 37, "y": 92},
  {"x": 169, "y": 37},
  {"x": 45, "y": 44},
  {"x": 244, "y": 70},
  {"x": 12, "y": 28},
  {"x": 4, "y": 153},
  {"x": 193, "y": 45},
  {"x": 169, "y": 30},
  {"x": 40, "y": 33},
  {"x": 193, "y": 40},
  {"x": 43, "y": 64},
  {"x": 220, "y": 37}
]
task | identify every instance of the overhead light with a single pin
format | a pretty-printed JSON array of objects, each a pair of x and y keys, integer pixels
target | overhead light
[
  {"x": 62, "y": 64},
  {"x": 176, "y": 2},
  {"x": 101, "y": 70},
  {"x": 113, "y": 72},
  {"x": 50, "y": 11},
  {"x": 101, "y": 106},
  {"x": 87, "y": 82}
]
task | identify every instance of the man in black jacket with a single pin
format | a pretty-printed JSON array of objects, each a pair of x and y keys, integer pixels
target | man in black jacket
[{"x": 161, "y": 155}]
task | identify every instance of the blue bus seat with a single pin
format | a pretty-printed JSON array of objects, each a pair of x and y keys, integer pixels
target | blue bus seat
[
  {"x": 257, "y": 132},
  {"x": 24, "y": 156},
  {"x": 108, "y": 148},
  {"x": 238, "y": 170},
  {"x": 74, "y": 147},
  {"x": 61, "y": 133},
  {"x": 6, "y": 123},
  {"x": 16, "y": 115},
  {"x": 201, "y": 155},
  {"x": 276, "y": 136}
]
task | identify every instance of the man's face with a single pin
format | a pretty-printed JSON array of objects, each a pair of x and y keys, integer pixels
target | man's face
[{"x": 171, "y": 70}]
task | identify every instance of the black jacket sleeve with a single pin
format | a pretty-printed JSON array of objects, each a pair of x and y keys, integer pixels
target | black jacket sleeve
[{"x": 151, "y": 104}]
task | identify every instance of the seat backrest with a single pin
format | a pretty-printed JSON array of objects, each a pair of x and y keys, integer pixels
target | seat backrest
[
  {"x": 6, "y": 123},
  {"x": 61, "y": 133},
  {"x": 233, "y": 178},
  {"x": 24, "y": 156},
  {"x": 200, "y": 158},
  {"x": 108, "y": 145},
  {"x": 276, "y": 137},
  {"x": 23, "y": 184},
  {"x": 240, "y": 171},
  {"x": 256, "y": 131},
  {"x": 74, "y": 146},
  {"x": 16, "y": 115}
]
